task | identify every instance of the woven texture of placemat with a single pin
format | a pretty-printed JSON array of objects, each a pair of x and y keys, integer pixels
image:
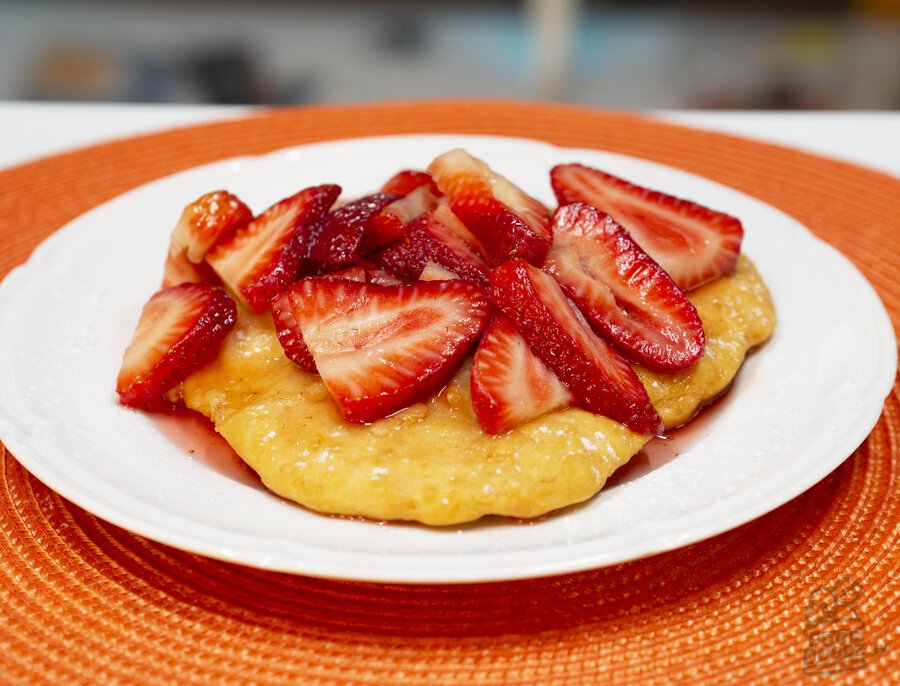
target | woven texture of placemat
[{"x": 85, "y": 602}]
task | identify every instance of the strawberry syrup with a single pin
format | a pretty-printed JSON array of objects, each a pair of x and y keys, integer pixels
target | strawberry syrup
[
  {"x": 195, "y": 435},
  {"x": 663, "y": 449}
]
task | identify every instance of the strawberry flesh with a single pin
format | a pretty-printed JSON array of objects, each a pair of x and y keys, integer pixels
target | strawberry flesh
[
  {"x": 625, "y": 296},
  {"x": 263, "y": 258},
  {"x": 180, "y": 329},
  {"x": 598, "y": 377},
  {"x": 437, "y": 237},
  {"x": 392, "y": 222},
  {"x": 406, "y": 181},
  {"x": 179, "y": 269},
  {"x": 380, "y": 348},
  {"x": 510, "y": 385},
  {"x": 207, "y": 220},
  {"x": 507, "y": 221},
  {"x": 337, "y": 244},
  {"x": 694, "y": 244}
]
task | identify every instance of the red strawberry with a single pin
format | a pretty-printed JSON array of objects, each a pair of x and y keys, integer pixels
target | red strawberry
[
  {"x": 382, "y": 348},
  {"x": 406, "y": 181},
  {"x": 507, "y": 221},
  {"x": 435, "y": 272},
  {"x": 510, "y": 385},
  {"x": 392, "y": 222},
  {"x": 179, "y": 330},
  {"x": 597, "y": 376},
  {"x": 692, "y": 243},
  {"x": 622, "y": 292},
  {"x": 264, "y": 257},
  {"x": 446, "y": 242},
  {"x": 179, "y": 269},
  {"x": 377, "y": 275},
  {"x": 286, "y": 328},
  {"x": 207, "y": 220},
  {"x": 289, "y": 334},
  {"x": 355, "y": 273},
  {"x": 336, "y": 245}
]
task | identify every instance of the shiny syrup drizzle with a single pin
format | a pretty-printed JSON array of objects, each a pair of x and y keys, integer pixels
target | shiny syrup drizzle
[
  {"x": 663, "y": 449},
  {"x": 197, "y": 437}
]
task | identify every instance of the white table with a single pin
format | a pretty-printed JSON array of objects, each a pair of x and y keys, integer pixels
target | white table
[{"x": 32, "y": 130}]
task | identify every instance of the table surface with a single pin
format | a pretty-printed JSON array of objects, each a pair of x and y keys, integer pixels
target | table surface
[
  {"x": 91, "y": 600},
  {"x": 33, "y": 130}
]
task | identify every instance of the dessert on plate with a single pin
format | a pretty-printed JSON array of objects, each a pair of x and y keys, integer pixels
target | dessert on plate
[{"x": 448, "y": 347}]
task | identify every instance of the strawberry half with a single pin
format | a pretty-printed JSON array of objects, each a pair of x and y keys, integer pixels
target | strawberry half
[
  {"x": 336, "y": 245},
  {"x": 207, "y": 220},
  {"x": 265, "y": 256},
  {"x": 598, "y": 377},
  {"x": 179, "y": 330},
  {"x": 625, "y": 296},
  {"x": 382, "y": 348},
  {"x": 694, "y": 244},
  {"x": 392, "y": 222},
  {"x": 507, "y": 221},
  {"x": 406, "y": 181},
  {"x": 289, "y": 334},
  {"x": 510, "y": 385},
  {"x": 179, "y": 269},
  {"x": 437, "y": 237}
]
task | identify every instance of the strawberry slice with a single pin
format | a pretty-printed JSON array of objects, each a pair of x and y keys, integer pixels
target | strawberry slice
[
  {"x": 179, "y": 269},
  {"x": 507, "y": 221},
  {"x": 179, "y": 330},
  {"x": 391, "y": 223},
  {"x": 207, "y": 220},
  {"x": 265, "y": 256},
  {"x": 435, "y": 272},
  {"x": 625, "y": 296},
  {"x": 437, "y": 237},
  {"x": 336, "y": 245},
  {"x": 692, "y": 243},
  {"x": 598, "y": 377},
  {"x": 406, "y": 181},
  {"x": 289, "y": 334},
  {"x": 382, "y": 348},
  {"x": 510, "y": 385}
]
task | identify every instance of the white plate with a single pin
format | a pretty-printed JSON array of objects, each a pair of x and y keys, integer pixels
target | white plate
[{"x": 800, "y": 406}]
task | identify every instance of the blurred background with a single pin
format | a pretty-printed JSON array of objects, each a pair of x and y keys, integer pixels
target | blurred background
[{"x": 668, "y": 54}]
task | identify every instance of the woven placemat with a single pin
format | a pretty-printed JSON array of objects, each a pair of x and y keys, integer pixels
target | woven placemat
[{"x": 83, "y": 601}]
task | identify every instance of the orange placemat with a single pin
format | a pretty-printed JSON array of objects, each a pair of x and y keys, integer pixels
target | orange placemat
[{"x": 83, "y": 601}]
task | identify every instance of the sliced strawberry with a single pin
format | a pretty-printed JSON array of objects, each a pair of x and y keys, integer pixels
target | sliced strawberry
[
  {"x": 391, "y": 223},
  {"x": 507, "y": 221},
  {"x": 179, "y": 330},
  {"x": 510, "y": 385},
  {"x": 692, "y": 243},
  {"x": 382, "y": 348},
  {"x": 599, "y": 378},
  {"x": 289, "y": 334},
  {"x": 448, "y": 244},
  {"x": 625, "y": 296},
  {"x": 265, "y": 256},
  {"x": 355, "y": 273},
  {"x": 179, "y": 269},
  {"x": 207, "y": 220},
  {"x": 337, "y": 244},
  {"x": 435, "y": 272},
  {"x": 377, "y": 275},
  {"x": 406, "y": 181}
]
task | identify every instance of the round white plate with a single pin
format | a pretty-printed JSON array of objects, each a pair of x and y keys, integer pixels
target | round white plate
[{"x": 799, "y": 407}]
